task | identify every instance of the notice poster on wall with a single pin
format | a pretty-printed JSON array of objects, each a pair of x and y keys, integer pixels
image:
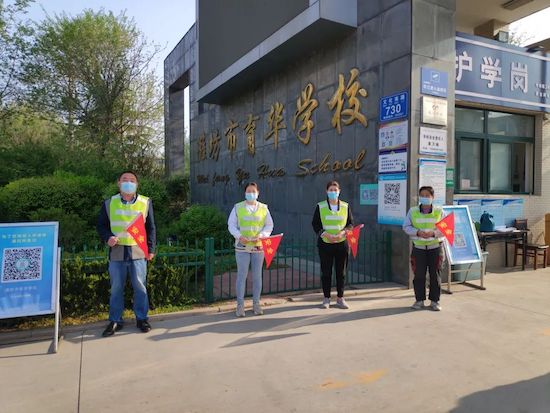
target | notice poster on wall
[
  {"x": 474, "y": 206},
  {"x": 392, "y": 199},
  {"x": 393, "y": 136},
  {"x": 433, "y": 172},
  {"x": 433, "y": 142},
  {"x": 513, "y": 209},
  {"x": 392, "y": 162},
  {"x": 494, "y": 207}
]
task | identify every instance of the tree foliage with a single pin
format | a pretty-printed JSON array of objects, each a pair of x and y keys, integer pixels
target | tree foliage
[
  {"x": 93, "y": 71},
  {"x": 14, "y": 49}
]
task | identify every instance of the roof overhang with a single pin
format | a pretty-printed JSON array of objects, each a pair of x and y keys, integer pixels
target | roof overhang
[{"x": 324, "y": 21}]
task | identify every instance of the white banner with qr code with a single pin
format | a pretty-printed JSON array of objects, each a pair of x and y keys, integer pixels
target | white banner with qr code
[{"x": 392, "y": 199}]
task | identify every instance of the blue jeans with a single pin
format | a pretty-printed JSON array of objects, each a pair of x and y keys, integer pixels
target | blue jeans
[
  {"x": 244, "y": 261},
  {"x": 138, "y": 275}
]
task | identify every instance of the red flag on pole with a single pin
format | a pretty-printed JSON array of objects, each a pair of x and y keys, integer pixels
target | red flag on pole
[
  {"x": 447, "y": 227},
  {"x": 270, "y": 246},
  {"x": 137, "y": 230},
  {"x": 353, "y": 239}
]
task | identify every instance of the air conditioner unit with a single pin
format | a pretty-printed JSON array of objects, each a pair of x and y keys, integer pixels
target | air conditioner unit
[{"x": 515, "y": 4}]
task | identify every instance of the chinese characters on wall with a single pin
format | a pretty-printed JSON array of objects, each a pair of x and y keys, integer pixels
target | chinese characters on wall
[{"x": 345, "y": 105}]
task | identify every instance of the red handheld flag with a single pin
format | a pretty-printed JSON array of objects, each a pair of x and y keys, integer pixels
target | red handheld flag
[
  {"x": 447, "y": 227},
  {"x": 353, "y": 239},
  {"x": 270, "y": 246},
  {"x": 137, "y": 230}
]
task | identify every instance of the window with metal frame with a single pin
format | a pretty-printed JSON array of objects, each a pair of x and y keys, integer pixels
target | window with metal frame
[{"x": 494, "y": 152}]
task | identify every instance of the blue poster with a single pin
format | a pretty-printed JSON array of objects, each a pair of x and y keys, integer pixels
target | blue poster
[
  {"x": 513, "y": 209},
  {"x": 494, "y": 207},
  {"x": 465, "y": 249},
  {"x": 394, "y": 107},
  {"x": 368, "y": 194},
  {"x": 392, "y": 199},
  {"x": 434, "y": 82},
  {"x": 28, "y": 269},
  {"x": 496, "y": 73},
  {"x": 474, "y": 205}
]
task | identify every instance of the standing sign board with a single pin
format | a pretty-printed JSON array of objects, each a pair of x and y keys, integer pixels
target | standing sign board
[
  {"x": 465, "y": 251},
  {"x": 29, "y": 270},
  {"x": 466, "y": 248}
]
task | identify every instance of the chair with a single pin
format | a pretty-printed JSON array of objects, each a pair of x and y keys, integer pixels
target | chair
[{"x": 531, "y": 250}]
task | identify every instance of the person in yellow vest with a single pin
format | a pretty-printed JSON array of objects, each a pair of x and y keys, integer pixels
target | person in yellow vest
[
  {"x": 125, "y": 257},
  {"x": 249, "y": 221},
  {"x": 427, "y": 252},
  {"x": 331, "y": 221}
]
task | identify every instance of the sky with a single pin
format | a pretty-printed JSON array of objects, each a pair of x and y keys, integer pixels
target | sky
[
  {"x": 164, "y": 22},
  {"x": 536, "y": 26}
]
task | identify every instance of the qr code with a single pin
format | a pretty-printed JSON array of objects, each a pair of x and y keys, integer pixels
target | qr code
[
  {"x": 460, "y": 240},
  {"x": 22, "y": 264},
  {"x": 392, "y": 194}
]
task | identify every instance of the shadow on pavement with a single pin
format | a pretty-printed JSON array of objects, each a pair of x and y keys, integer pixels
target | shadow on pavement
[
  {"x": 272, "y": 324},
  {"x": 226, "y": 322},
  {"x": 528, "y": 396}
]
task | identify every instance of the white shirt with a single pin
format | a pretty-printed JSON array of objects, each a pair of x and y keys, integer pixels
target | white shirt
[{"x": 233, "y": 223}]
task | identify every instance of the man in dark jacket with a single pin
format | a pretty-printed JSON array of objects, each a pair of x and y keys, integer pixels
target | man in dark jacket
[{"x": 125, "y": 256}]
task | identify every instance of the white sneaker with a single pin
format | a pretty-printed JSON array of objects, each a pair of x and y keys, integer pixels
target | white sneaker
[
  {"x": 257, "y": 309},
  {"x": 326, "y": 303},
  {"x": 341, "y": 303},
  {"x": 418, "y": 305},
  {"x": 435, "y": 306},
  {"x": 240, "y": 310}
]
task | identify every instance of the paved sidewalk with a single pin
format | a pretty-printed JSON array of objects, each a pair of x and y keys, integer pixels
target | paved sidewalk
[{"x": 487, "y": 351}]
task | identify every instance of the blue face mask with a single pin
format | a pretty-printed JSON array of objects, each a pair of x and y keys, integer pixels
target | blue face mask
[
  {"x": 128, "y": 187},
  {"x": 251, "y": 196},
  {"x": 425, "y": 200},
  {"x": 332, "y": 195}
]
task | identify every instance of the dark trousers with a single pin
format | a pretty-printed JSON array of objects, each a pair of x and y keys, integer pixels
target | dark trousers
[
  {"x": 333, "y": 255},
  {"x": 422, "y": 260}
]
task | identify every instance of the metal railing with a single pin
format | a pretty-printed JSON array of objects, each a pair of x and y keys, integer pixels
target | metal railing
[{"x": 209, "y": 268}]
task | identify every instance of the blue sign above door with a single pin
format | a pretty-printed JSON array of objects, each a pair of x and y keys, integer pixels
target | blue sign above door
[{"x": 496, "y": 73}]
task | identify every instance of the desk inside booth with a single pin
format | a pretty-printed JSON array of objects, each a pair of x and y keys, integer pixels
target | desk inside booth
[{"x": 517, "y": 235}]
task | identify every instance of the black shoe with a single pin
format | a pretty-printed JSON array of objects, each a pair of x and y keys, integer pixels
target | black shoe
[
  {"x": 144, "y": 326},
  {"x": 111, "y": 328}
]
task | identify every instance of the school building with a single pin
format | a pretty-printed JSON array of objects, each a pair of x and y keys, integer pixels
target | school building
[{"x": 380, "y": 95}]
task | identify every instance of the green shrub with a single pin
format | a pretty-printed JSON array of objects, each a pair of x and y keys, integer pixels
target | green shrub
[
  {"x": 199, "y": 222},
  {"x": 80, "y": 196},
  {"x": 26, "y": 160},
  {"x": 178, "y": 192},
  {"x": 74, "y": 232}
]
